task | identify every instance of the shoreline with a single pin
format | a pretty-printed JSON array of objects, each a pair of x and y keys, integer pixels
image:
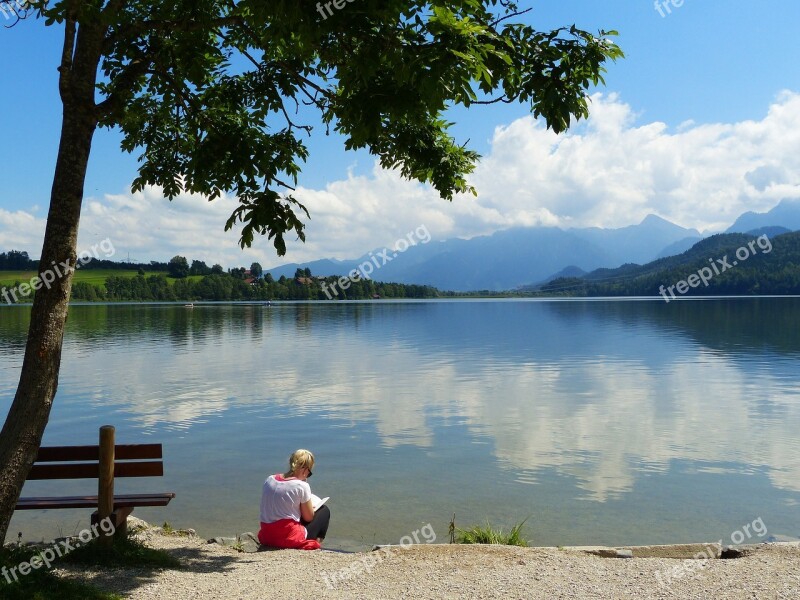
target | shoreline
[
  {"x": 770, "y": 570},
  {"x": 388, "y": 300}
]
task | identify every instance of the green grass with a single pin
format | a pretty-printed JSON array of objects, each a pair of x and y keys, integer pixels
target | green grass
[
  {"x": 8, "y": 278},
  {"x": 93, "y": 276},
  {"x": 167, "y": 529},
  {"x": 487, "y": 535},
  {"x": 40, "y": 584},
  {"x": 99, "y": 276}
]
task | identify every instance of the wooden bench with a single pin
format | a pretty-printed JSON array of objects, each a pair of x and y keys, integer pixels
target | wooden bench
[{"x": 106, "y": 461}]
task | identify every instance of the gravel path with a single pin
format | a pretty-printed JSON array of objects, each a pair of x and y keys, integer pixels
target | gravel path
[{"x": 445, "y": 571}]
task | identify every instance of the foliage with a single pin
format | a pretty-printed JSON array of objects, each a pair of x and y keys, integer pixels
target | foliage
[
  {"x": 16, "y": 260},
  {"x": 199, "y": 267},
  {"x": 488, "y": 535},
  {"x": 208, "y": 91},
  {"x": 232, "y": 287},
  {"x": 178, "y": 267}
]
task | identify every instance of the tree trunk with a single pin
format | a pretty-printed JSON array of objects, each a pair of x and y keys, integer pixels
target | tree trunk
[{"x": 28, "y": 415}]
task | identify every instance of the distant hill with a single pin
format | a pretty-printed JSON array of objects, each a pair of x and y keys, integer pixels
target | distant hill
[
  {"x": 639, "y": 243},
  {"x": 570, "y": 271},
  {"x": 786, "y": 214},
  {"x": 770, "y": 231},
  {"x": 514, "y": 257},
  {"x": 763, "y": 266},
  {"x": 680, "y": 246}
]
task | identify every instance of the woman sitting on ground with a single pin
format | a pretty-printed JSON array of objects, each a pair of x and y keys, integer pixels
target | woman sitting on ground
[{"x": 288, "y": 519}]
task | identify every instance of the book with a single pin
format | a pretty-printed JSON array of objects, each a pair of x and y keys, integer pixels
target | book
[{"x": 317, "y": 502}]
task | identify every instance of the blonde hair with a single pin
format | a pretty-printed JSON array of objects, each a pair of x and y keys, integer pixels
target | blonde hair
[{"x": 301, "y": 459}]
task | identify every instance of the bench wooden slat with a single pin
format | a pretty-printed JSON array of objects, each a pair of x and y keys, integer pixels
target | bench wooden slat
[
  {"x": 76, "y": 453},
  {"x": 90, "y": 470},
  {"x": 120, "y": 501},
  {"x": 139, "y": 469}
]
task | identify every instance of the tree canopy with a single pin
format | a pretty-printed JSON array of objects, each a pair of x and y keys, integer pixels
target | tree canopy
[
  {"x": 211, "y": 93},
  {"x": 178, "y": 267}
]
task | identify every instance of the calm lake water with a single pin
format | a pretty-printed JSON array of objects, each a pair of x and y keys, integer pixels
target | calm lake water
[{"x": 602, "y": 422}]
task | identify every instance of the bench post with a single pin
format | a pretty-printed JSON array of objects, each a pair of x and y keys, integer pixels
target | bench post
[{"x": 105, "y": 485}]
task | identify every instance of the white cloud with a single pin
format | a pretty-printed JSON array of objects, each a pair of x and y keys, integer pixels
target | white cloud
[
  {"x": 21, "y": 230},
  {"x": 609, "y": 171}
]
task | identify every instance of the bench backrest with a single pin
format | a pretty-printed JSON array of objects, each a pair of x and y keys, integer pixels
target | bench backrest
[{"x": 80, "y": 469}]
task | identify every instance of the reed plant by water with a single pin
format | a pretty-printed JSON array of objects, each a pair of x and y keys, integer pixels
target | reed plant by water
[{"x": 479, "y": 534}]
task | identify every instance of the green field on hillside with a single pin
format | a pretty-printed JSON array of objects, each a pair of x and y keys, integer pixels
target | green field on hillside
[{"x": 93, "y": 276}]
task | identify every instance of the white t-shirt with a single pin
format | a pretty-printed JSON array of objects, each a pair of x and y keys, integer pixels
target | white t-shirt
[{"x": 281, "y": 498}]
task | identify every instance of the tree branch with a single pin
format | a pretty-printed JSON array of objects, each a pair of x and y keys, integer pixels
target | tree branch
[
  {"x": 68, "y": 49},
  {"x": 148, "y": 27},
  {"x": 136, "y": 68},
  {"x": 504, "y": 99},
  {"x": 510, "y": 15}
]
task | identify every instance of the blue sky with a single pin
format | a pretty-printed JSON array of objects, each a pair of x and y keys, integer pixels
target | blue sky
[{"x": 680, "y": 108}]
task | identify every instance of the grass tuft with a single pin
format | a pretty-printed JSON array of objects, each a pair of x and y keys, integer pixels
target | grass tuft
[{"x": 487, "y": 535}]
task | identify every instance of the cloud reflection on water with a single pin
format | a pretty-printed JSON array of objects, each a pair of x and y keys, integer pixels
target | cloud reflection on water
[{"x": 601, "y": 395}]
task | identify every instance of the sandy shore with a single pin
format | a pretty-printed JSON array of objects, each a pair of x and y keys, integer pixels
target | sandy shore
[{"x": 448, "y": 571}]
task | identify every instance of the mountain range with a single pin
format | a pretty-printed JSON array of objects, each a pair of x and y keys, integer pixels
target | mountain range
[
  {"x": 517, "y": 257},
  {"x": 785, "y": 214},
  {"x": 753, "y": 263}
]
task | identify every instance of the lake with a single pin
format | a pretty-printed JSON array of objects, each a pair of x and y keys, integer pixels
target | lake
[{"x": 600, "y": 421}]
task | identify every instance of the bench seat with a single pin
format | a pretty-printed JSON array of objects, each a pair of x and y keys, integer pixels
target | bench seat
[{"x": 120, "y": 501}]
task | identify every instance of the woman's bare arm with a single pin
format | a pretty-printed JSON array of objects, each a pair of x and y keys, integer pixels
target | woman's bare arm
[{"x": 307, "y": 510}]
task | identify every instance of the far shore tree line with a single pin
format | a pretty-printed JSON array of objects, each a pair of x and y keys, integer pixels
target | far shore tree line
[
  {"x": 197, "y": 281},
  {"x": 230, "y": 287},
  {"x": 18, "y": 260}
]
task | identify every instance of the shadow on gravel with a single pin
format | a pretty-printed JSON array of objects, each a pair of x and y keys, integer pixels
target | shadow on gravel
[{"x": 125, "y": 580}]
